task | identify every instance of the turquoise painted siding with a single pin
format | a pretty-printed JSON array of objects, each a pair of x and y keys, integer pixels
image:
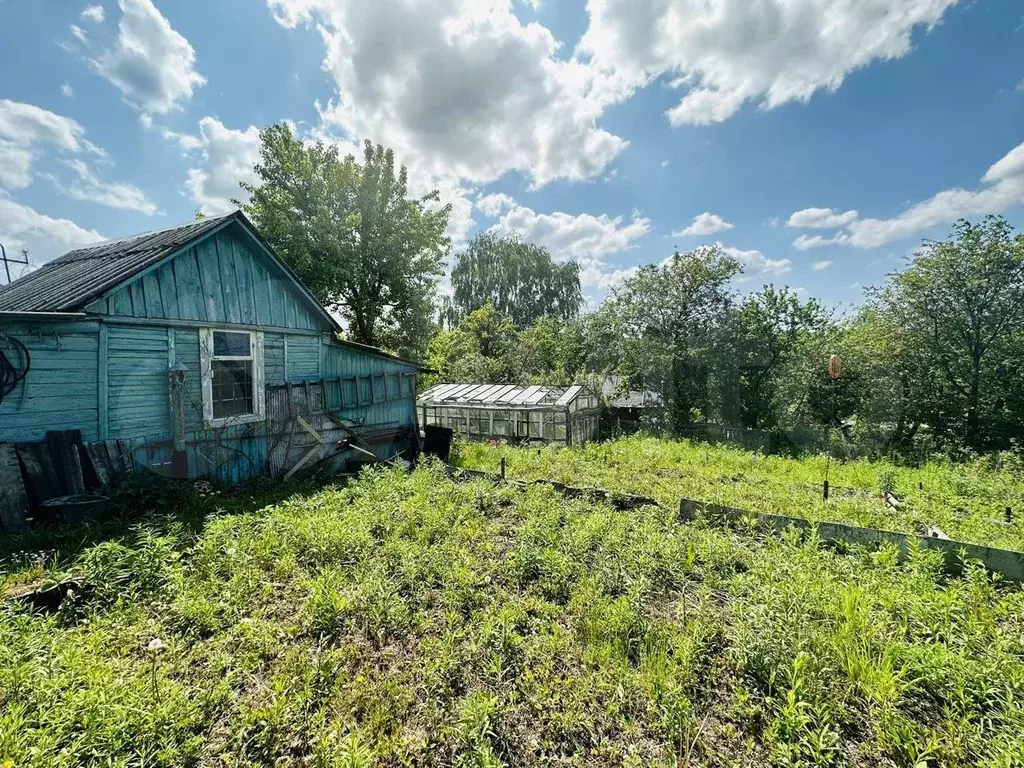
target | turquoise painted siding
[
  {"x": 394, "y": 397},
  {"x": 303, "y": 358},
  {"x": 107, "y": 375},
  {"x": 61, "y": 389},
  {"x": 137, "y": 392},
  {"x": 222, "y": 279}
]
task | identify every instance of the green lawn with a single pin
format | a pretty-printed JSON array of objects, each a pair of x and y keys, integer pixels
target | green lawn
[
  {"x": 967, "y": 501},
  {"x": 412, "y": 620}
]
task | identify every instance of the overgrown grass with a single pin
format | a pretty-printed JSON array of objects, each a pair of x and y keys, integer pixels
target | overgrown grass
[
  {"x": 967, "y": 501},
  {"x": 410, "y": 620}
]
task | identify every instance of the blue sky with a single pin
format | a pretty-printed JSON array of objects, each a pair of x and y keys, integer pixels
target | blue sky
[{"x": 817, "y": 140}]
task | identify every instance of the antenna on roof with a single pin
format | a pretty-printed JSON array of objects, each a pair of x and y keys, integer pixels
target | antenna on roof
[{"x": 7, "y": 262}]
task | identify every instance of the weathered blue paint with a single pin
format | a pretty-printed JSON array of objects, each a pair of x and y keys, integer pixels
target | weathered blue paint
[
  {"x": 61, "y": 390},
  {"x": 107, "y": 373},
  {"x": 223, "y": 279}
]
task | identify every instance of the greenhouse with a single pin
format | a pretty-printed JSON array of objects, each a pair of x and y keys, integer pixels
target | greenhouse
[{"x": 568, "y": 415}]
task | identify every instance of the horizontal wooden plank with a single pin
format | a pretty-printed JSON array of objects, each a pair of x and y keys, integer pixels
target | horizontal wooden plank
[{"x": 47, "y": 344}]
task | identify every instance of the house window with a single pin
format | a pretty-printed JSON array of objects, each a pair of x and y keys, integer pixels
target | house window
[{"x": 232, "y": 373}]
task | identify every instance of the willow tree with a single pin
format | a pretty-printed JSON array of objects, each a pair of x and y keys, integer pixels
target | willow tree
[
  {"x": 353, "y": 234},
  {"x": 519, "y": 279}
]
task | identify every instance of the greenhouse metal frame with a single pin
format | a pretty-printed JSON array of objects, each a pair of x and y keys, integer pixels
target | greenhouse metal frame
[{"x": 546, "y": 414}]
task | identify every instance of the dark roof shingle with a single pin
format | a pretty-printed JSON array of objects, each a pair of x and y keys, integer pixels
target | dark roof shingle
[{"x": 77, "y": 278}]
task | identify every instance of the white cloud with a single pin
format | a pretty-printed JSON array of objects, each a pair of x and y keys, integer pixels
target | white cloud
[
  {"x": 806, "y": 242},
  {"x": 821, "y": 266},
  {"x": 15, "y": 165},
  {"x": 1002, "y": 188},
  {"x": 664, "y": 163},
  {"x": 113, "y": 194},
  {"x": 755, "y": 264},
  {"x": 151, "y": 64},
  {"x": 79, "y": 33},
  {"x": 25, "y": 130},
  {"x": 705, "y": 224},
  {"x": 493, "y": 205},
  {"x": 227, "y": 157},
  {"x": 43, "y": 236},
  {"x": 67, "y": 90},
  {"x": 728, "y": 53},
  {"x": 93, "y": 13},
  {"x": 584, "y": 238},
  {"x": 460, "y": 87},
  {"x": 820, "y": 218}
]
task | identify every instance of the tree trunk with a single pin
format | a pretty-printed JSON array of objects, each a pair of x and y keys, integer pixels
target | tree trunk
[{"x": 974, "y": 396}]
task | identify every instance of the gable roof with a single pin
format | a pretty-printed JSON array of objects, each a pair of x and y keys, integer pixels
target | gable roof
[{"x": 72, "y": 281}]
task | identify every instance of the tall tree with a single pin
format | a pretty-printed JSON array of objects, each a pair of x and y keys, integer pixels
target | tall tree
[
  {"x": 519, "y": 279},
  {"x": 666, "y": 317},
  {"x": 353, "y": 235},
  {"x": 961, "y": 303},
  {"x": 770, "y": 327}
]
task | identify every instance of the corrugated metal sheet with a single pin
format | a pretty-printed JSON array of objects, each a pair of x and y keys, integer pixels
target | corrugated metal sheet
[{"x": 73, "y": 280}]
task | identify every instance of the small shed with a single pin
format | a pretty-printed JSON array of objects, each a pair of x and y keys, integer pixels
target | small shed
[
  {"x": 194, "y": 351},
  {"x": 627, "y": 410},
  {"x": 568, "y": 415}
]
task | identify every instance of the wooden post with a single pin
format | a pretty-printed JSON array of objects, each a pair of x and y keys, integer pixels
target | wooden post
[
  {"x": 1009, "y": 514},
  {"x": 13, "y": 501},
  {"x": 825, "y": 489},
  {"x": 502, "y": 467}
]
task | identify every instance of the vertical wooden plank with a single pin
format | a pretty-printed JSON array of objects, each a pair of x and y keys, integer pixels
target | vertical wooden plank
[
  {"x": 13, "y": 500},
  {"x": 284, "y": 340},
  {"x": 277, "y": 303},
  {"x": 171, "y": 358},
  {"x": 43, "y": 482},
  {"x": 121, "y": 303},
  {"x": 243, "y": 276},
  {"x": 168, "y": 293},
  {"x": 124, "y": 448},
  {"x": 151, "y": 291},
  {"x": 100, "y": 462},
  {"x": 256, "y": 289},
  {"x": 228, "y": 282},
  {"x": 191, "y": 302},
  {"x": 64, "y": 452},
  {"x": 138, "y": 299},
  {"x": 212, "y": 298},
  {"x": 102, "y": 391},
  {"x": 292, "y": 317}
]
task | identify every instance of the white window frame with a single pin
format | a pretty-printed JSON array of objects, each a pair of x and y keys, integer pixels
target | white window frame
[{"x": 206, "y": 358}]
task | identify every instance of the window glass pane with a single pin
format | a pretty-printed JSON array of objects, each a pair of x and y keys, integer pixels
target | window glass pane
[
  {"x": 230, "y": 344},
  {"x": 232, "y": 388}
]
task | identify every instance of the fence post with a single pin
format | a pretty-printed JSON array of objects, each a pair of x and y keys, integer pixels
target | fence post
[
  {"x": 1009, "y": 514},
  {"x": 502, "y": 467},
  {"x": 825, "y": 489}
]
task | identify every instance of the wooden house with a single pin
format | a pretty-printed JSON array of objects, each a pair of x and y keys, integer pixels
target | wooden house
[{"x": 197, "y": 352}]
